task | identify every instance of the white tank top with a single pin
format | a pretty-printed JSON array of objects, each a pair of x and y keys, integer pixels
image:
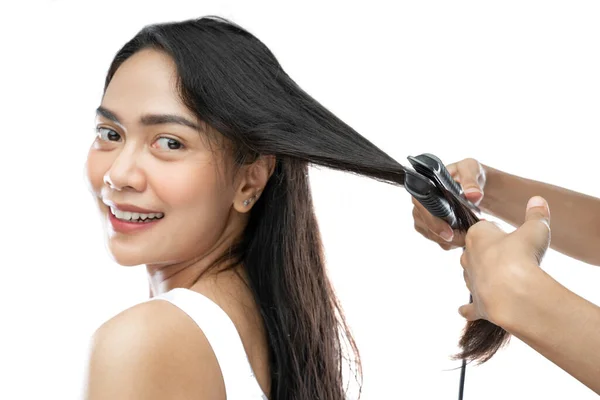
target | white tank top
[{"x": 239, "y": 378}]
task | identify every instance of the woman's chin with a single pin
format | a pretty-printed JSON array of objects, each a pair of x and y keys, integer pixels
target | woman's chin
[
  {"x": 127, "y": 260},
  {"x": 127, "y": 257}
]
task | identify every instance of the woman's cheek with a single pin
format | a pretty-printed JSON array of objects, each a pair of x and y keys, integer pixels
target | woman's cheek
[{"x": 95, "y": 170}]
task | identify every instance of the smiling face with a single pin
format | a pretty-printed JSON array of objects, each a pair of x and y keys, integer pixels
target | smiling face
[{"x": 151, "y": 160}]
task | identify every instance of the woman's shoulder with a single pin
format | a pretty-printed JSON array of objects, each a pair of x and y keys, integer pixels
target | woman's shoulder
[{"x": 152, "y": 350}]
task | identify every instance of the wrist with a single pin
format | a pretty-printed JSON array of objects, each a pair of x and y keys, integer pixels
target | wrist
[{"x": 524, "y": 300}]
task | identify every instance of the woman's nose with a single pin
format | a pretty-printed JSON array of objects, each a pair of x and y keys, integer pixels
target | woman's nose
[{"x": 125, "y": 173}]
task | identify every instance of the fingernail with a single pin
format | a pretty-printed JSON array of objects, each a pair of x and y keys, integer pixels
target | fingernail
[
  {"x": 472, "y": 190},
  {"x": 447, "y": 235},
  {"x": 474, "y": 193},
  {"x": 536, "y": 201}
]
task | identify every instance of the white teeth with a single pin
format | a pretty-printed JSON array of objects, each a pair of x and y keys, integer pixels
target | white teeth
[{"x": 134, "y": 216}]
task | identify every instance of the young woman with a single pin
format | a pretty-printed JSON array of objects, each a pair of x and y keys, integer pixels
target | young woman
[{"x": 200, "y": 171}]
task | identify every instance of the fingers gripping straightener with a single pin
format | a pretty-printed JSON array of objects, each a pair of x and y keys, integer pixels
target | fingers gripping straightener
[{"x": 425, "y": 184}]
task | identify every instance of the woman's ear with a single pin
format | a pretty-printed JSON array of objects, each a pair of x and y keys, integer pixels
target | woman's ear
[{"x": 254, "y": 179}]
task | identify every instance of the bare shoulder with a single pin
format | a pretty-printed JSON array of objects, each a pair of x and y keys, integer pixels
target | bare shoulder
[{"x": 152, "y": 351}]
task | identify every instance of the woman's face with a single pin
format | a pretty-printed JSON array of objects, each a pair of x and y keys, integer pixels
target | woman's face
[{"x": 161, "y": 188}]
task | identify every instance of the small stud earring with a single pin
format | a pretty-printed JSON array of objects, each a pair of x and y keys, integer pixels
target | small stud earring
[{"x": 250, "y": 200}]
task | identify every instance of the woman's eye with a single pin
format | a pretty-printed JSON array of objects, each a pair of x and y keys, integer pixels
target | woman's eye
[
  {"x": 108, "y": 135},
  {"x": 165, "y": 143}
]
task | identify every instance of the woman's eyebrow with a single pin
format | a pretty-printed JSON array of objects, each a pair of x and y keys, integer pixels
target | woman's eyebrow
[
  {"x": 150, "y": 119},
  {"x": 106, "y": 113}
]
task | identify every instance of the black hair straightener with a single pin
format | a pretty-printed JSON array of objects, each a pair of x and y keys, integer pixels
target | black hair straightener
[
  {"x": 432, "y": 185},
  {"x": 427, "y": 184}
]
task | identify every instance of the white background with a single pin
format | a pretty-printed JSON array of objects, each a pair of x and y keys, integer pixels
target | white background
[{"x": 514, "y": 84}]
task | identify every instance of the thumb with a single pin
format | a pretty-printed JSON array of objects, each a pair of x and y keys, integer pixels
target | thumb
[
  {"x": 536, "y": 229},
  {"x": 472, "y": 179},
  {"x": 468, "y": 312}
]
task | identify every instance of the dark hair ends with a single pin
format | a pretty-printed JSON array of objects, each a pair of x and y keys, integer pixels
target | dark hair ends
[
  {"x": 481, "y": 339},
  {"x": 233, "y": 82}
]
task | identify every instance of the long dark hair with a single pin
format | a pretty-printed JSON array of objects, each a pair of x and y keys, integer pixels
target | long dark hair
[{"x": 233, "y": 82}]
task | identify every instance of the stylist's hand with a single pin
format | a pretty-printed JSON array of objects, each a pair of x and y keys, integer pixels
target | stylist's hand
[
  {"x": 471, "y": 176},
  {"x": 500, "y": 268}
]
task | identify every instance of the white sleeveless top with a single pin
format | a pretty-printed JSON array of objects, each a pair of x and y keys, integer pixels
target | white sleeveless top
[{"x": 239, "y": 378}]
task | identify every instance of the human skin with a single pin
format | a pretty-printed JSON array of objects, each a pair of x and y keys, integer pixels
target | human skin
[
  {"x": 177, "y": 167},
  {"x": 502, "y": 270}
]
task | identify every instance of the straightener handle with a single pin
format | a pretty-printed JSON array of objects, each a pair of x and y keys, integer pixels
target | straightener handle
[{"x": 426, "y": 193}]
